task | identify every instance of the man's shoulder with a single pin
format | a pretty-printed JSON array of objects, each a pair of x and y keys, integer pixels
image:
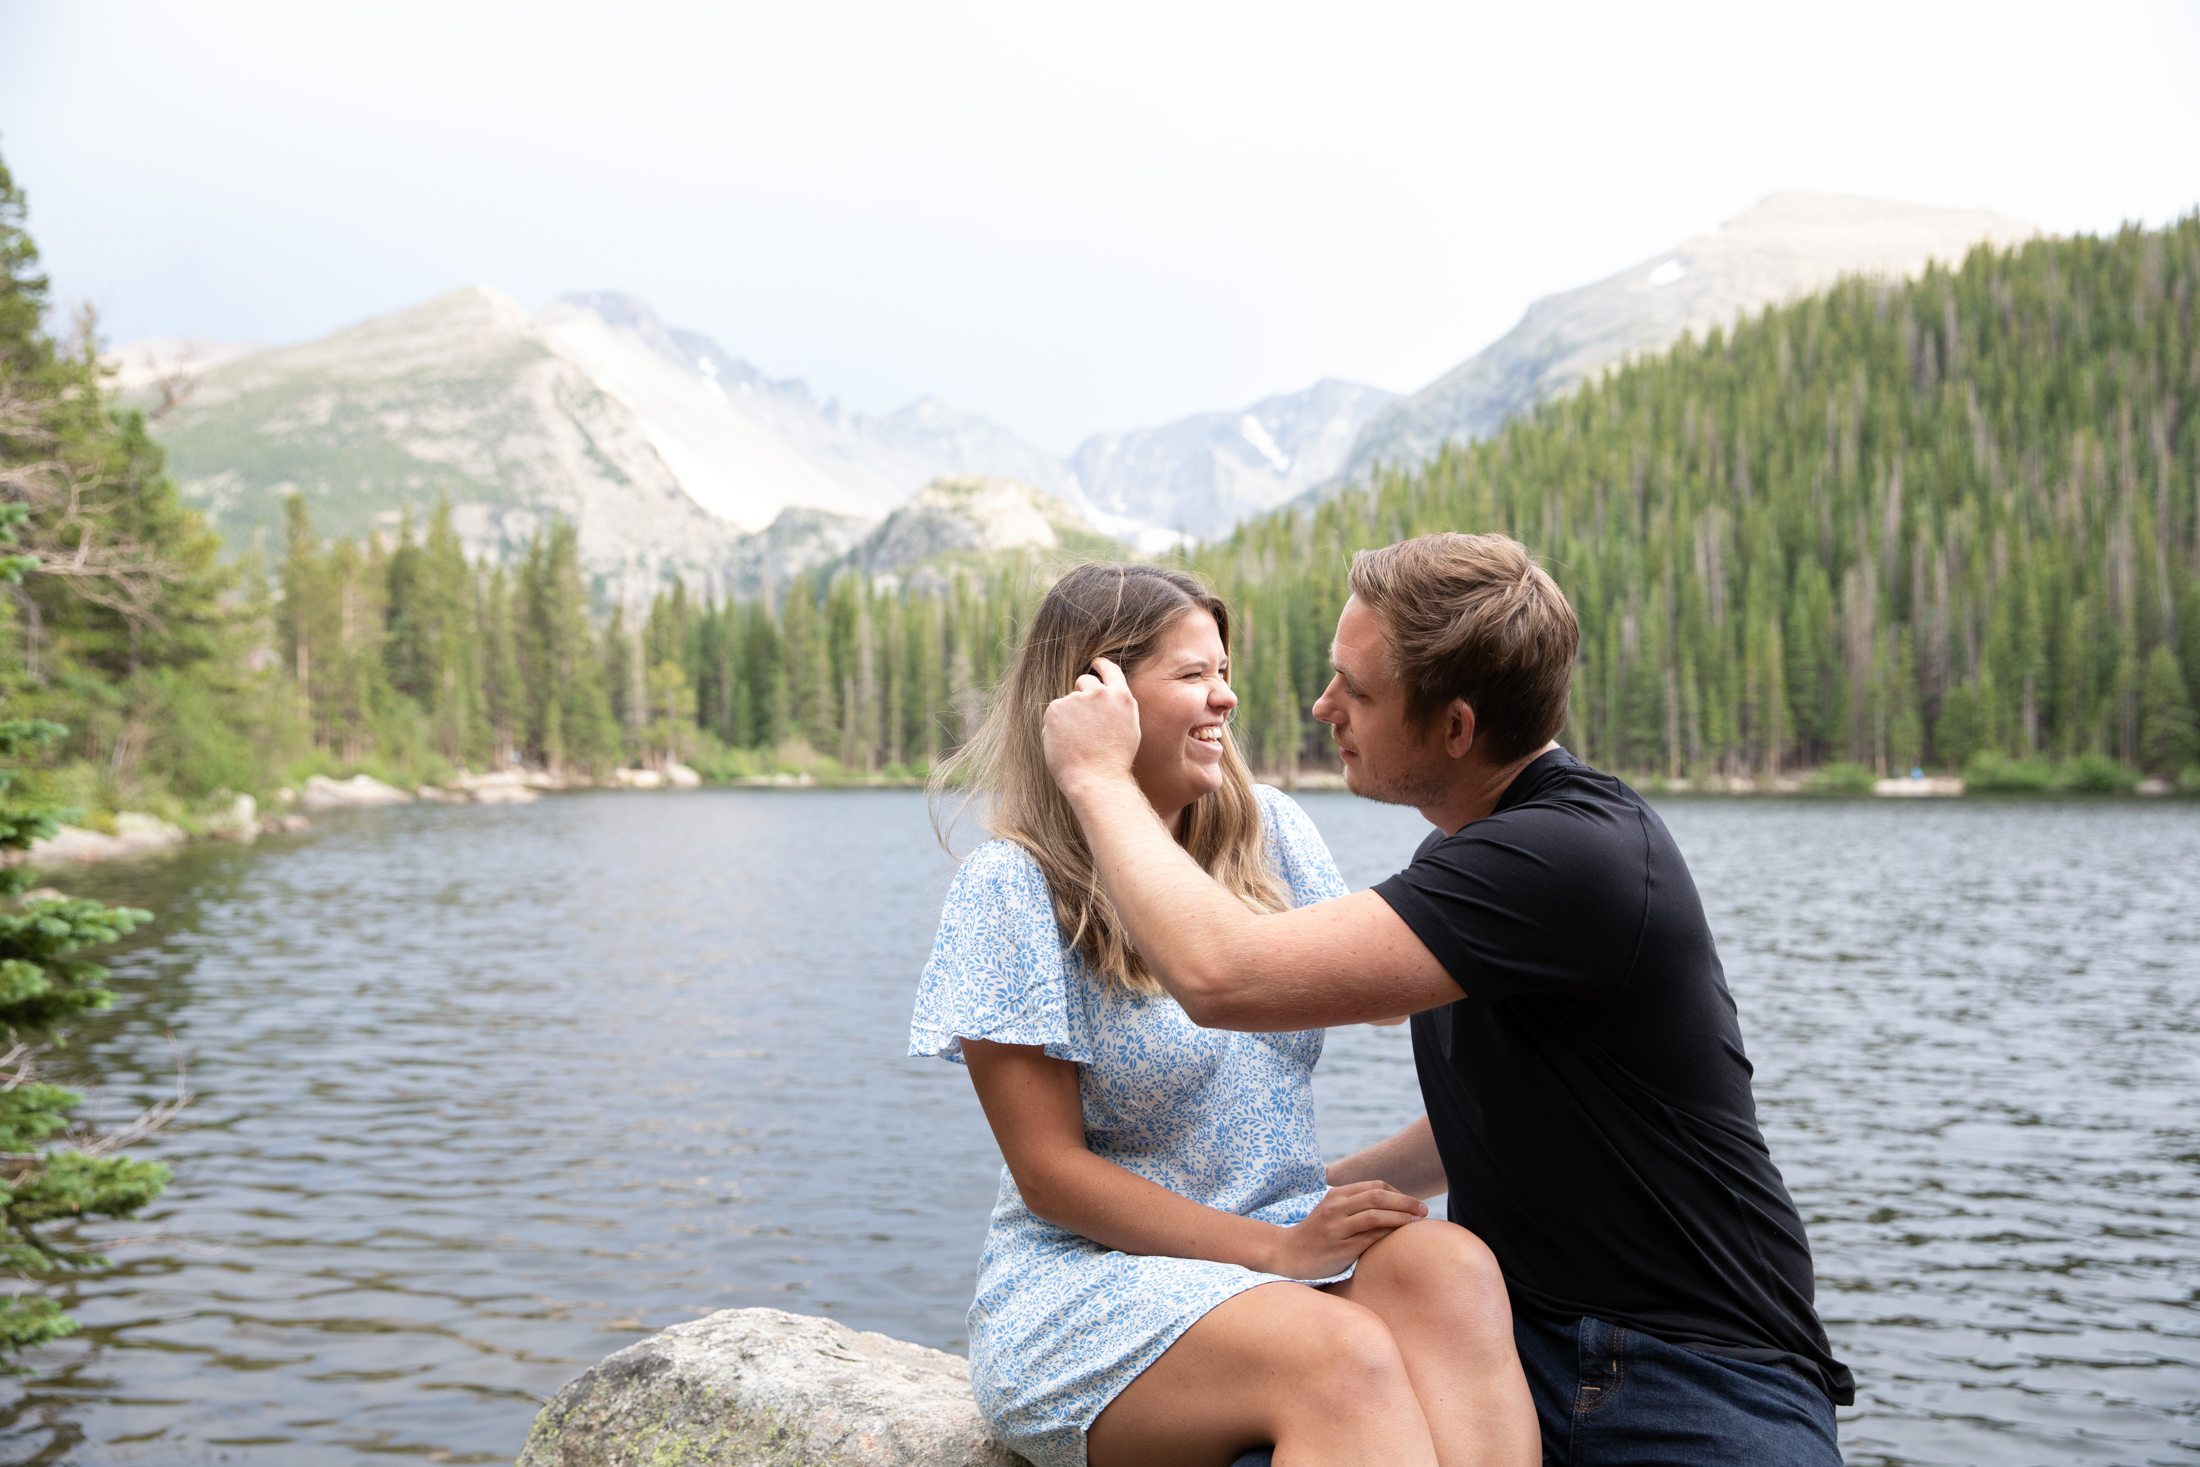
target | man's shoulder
[
  {"x": 1575, "y": 823},
  {"x": 1557, "y": 778},
  {"x": 1561, "y": 796}
]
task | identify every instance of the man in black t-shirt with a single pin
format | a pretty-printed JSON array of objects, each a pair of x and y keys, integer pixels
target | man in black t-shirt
[{"x": 1589, "y": 1104}]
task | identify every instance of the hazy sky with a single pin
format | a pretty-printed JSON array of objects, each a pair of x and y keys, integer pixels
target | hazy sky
[{"x": 1067, "y": 217}]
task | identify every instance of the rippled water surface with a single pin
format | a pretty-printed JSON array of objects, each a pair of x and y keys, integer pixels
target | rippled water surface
[{"x": 486, "y": 1093}]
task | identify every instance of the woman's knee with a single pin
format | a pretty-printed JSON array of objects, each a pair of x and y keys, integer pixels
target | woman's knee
[{"x": 1349, "y": 1353}]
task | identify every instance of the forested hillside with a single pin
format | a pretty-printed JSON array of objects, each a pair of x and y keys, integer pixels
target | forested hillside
[
  {"x": 1890, "y": 524},
  {"x": 407, "y": 658}
]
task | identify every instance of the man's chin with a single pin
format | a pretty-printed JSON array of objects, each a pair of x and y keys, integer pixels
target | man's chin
[{"x": 1359, "y": 780}]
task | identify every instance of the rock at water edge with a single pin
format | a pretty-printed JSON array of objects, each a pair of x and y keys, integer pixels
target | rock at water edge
[
  {"x": 1923, "y": 786},
  {"x": 323, "y": 793},
  {"x": 241, "y": 821},
  {"x": 747, "y": 1387},
  {"x": 134, "y": 835}
]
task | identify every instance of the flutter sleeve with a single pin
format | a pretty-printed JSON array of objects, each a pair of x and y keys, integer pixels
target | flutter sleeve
[
  {"x": 998, "y": 970},
  {"x": 1296, "y": 849}
]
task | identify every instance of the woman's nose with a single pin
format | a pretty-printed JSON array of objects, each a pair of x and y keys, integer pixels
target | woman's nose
[{"x": 1223, "y": 697}]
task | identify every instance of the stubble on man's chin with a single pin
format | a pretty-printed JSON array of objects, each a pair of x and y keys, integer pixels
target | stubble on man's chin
[{"x": 1419, "y": 793}]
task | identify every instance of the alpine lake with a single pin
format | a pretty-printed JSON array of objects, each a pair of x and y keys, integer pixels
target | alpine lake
[{"x": 484, "y": 1093}]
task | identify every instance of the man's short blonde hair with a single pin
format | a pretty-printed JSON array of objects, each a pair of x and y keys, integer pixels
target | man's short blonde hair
[{"x": 1474, "y": 617}]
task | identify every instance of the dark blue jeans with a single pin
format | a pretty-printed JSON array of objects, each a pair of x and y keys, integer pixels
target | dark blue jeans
[{"x": 1612, "y": 1397}]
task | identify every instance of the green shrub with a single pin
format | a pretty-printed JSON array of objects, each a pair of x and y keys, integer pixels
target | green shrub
[
  {"x": 724, "y": 766},
  {"x": 2094, "y": 774},
  {"x": 2188, "y": 783},
  {"x": 1839, "y": 779},
  {"x": 1998, "y": 774}
]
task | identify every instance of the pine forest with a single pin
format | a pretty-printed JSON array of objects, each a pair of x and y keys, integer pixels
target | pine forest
[{"x": 1948, "y": 524}]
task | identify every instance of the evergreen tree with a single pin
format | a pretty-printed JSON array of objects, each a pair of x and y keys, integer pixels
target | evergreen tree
[
  {"x": 43, "y": 983},
  {"x": 2167, "y": 739}
]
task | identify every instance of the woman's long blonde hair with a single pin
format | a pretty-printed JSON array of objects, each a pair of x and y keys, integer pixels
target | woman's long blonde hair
[{"x": 1120, "y": 612}]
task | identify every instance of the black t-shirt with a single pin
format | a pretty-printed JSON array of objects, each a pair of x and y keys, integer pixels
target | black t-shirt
[{"x": 1589, "y": 1095}]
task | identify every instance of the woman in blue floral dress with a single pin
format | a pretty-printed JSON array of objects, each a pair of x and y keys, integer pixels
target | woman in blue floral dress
[{"x": 1168, "y": 1277}]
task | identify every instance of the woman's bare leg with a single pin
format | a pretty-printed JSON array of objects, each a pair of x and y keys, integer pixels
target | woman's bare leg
[
  {"x": 1317, "y": 1375},
  {"x": 1438, "y": 1289}
]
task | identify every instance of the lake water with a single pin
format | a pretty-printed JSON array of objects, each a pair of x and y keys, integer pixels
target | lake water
[{"x": 486, "y": 1093}]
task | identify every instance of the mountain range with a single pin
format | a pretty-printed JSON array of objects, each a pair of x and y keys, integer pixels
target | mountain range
[
  {"x": 675, "y": 458},
  {"x": 1786, "y": 246}
]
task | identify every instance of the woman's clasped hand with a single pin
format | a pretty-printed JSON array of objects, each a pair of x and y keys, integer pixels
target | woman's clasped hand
[{"x": 1344, "y": 1224}]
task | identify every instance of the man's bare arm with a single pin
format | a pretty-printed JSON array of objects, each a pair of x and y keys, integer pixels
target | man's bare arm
[
  {"x": 1408, "y": 1161},
  {"x": 1338, "y": 962}
]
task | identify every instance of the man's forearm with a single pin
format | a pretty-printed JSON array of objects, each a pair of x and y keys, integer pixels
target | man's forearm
[
  {"x": 1408, "y": 1161},
  {"x": 1187, "y": 928},
  {"x": 1337, "y": 962}
]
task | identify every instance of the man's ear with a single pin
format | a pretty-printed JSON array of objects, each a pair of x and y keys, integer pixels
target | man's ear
[{"x": 1458, "y": 728}]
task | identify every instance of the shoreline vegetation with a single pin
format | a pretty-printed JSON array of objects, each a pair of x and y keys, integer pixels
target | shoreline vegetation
[{"x": 134, "y": 833}]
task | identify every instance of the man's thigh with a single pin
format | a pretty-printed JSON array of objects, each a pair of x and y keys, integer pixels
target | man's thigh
[{"x": 1612, "y": 1397}]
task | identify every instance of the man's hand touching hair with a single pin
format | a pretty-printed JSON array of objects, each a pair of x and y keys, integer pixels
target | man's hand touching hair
[{"x": 1091, "y": 734}]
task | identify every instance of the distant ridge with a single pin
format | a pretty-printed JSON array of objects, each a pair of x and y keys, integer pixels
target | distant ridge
[
  {"x": 462, "y": 397},
  {"x": 1200, "y": 475},
  {"x": 973, "y": 515},
  {"x": 1786, "y": 246},
  {"x": 673, "y": 458}
]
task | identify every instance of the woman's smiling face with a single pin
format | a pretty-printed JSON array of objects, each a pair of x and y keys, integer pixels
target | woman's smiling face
[{"x": 1184, "y": 698}]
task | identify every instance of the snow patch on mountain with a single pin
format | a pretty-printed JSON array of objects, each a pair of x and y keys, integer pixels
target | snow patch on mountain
[{"x": 1199, "y": 476}]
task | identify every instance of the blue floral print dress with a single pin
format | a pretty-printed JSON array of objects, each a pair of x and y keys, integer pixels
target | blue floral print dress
[{"x": 1061, "y": 1325}]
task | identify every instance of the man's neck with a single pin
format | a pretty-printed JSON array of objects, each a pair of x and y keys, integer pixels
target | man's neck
[{"x": 1478, "y": 791}]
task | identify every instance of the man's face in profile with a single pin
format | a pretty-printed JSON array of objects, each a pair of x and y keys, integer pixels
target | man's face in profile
[{"x": 1385, "y": 758}]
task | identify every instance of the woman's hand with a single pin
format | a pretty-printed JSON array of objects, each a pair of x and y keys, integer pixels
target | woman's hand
[{"x": 1348, "y": 1221}]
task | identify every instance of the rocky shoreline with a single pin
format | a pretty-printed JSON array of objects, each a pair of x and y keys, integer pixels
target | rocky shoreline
[{"x": 136, "y": 833}]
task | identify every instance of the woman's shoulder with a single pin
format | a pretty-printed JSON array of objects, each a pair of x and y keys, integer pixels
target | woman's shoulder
[
  {"x": 999, "y": 871},
  {"x": 1296, "y": 849},
  {"x": 1000, "y": 860},
  {"x": 1280, "y": 813},
  {"x": 998, "y": 963}
]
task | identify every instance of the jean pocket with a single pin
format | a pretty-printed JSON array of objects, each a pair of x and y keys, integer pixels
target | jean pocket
[{"x": 1602, "y": 1366}]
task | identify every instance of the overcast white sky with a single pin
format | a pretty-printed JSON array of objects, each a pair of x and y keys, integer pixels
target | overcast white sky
[{"x": 1067, "y": 217}]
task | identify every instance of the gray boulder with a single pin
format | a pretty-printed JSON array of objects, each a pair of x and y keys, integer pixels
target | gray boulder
[{"x": 751, "y": 1387}]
